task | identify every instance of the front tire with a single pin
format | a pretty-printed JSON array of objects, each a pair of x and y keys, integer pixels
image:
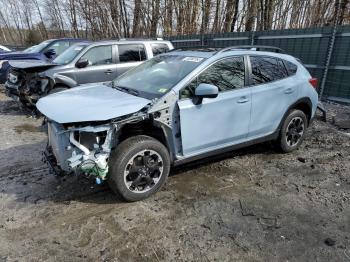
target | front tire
[
  {"x": 293, "y": 131},
  {"x": 139, "y": 167}
]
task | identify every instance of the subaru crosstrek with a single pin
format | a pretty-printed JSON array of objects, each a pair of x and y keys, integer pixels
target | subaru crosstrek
[{"x": 175, "y": 108}]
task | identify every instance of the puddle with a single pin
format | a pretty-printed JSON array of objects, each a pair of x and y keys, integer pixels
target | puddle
[{"x": 26, "y": 128}]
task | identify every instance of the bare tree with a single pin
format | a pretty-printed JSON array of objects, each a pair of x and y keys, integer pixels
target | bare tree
[{"x": 101, "y": 19}]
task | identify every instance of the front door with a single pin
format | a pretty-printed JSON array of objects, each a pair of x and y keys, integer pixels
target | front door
[
  {"x": 102, "y": 66},
  {"x": 220, "y": 121}
]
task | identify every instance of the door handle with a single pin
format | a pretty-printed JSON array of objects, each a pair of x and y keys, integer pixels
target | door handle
[
  {"x": 108, "y": 71},
  {"x": 242, "y": 100},
  {"x": 288, "y": 90}
]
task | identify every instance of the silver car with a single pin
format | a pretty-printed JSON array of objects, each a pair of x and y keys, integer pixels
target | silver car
[
  {"x": 80, "y": 64},
  {"x": 175, "y": 108}
]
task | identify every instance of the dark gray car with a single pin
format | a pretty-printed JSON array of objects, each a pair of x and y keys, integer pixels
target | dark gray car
[{"x": 80, "y": 64}]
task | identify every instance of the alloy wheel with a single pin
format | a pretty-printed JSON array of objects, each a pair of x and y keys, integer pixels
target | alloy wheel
[
  {"x": 295, "y": 131},
  {"x": 143, "y": 171}
]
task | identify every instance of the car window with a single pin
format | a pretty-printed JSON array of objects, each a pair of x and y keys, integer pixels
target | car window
[
  {"x": 227, "y": 74},
  {"x": 292, "y": 68},
  {"x": 159, "y": 48},
  {"x": 131, "y": 53},
  {"x": 59, "y": 47},
  {"x": 70, "y": 54},
  {"x": 99, "y": 55},
  {"x": 266, "y": 69},
  {"x": 283, "y": 70},
  {"x": 38, "y": 48}
]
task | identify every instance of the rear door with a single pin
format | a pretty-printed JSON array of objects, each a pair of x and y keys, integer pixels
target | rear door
[
  {"x": 272, "y": 94},
  {"x": 102, "y": 65},
  {"x": 220, "y": 121},
  {"x": 129, "y": 56}
]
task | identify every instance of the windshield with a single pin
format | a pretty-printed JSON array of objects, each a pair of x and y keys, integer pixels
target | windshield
[
  {"x": 69, "y": 55},
  {"x": 38, "y": 48},
  {"x": 157, "y": 76}
]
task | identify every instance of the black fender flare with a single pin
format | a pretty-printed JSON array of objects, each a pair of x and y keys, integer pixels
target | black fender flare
[{"x": 303, "y": 100}]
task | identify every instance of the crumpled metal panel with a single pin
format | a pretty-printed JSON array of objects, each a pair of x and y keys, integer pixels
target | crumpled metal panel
[{"x": 31, "y": 65}]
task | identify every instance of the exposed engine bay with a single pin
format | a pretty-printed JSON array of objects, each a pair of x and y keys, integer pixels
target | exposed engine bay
[{"x": 85, "y": 149}]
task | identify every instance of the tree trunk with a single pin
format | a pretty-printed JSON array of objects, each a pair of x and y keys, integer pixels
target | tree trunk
[
  {"x": 251, "y": 15},
  {"x": 155, "y": 17},
  {"x": 137, "y": 19}
]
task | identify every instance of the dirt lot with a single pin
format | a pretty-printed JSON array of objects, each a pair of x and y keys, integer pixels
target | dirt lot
[{"x": 252, "y": 205}]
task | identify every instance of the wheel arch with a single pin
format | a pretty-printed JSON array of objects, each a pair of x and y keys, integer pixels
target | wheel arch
[
  {"x": 147, "y": 128},
  {"x": 304, "y": 104}
]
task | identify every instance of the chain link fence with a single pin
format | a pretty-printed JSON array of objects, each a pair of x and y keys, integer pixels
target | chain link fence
[{"x": 329, "y": 62}]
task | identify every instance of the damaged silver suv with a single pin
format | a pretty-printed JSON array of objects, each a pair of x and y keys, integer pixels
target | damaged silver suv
[{"x": 175, "y": 108}]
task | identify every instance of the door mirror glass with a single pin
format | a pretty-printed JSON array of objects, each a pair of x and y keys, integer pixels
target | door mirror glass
[
  {"x": 205, "y": 91},
  {"x": 83, "y": 62}
]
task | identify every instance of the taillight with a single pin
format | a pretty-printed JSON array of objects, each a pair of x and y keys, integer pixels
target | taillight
[{"x": 313, "y": 82}]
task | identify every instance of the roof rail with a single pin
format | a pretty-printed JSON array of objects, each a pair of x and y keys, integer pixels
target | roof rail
[
  {"x": 254, "y": 47},
  {"x": 140, "y": 39}
]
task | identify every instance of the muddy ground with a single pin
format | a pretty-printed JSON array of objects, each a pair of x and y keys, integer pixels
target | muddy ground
[{"x": 250, "y": 205}]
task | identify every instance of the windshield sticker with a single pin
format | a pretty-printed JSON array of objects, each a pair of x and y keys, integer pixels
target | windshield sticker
[
  {"x": 192, "y": 59},
  {"x": 78, "y": 48},
  {"x": 162, "y": 90}
]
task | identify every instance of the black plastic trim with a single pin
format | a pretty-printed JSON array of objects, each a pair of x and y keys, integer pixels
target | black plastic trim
[{"x": 270, "y": 137}]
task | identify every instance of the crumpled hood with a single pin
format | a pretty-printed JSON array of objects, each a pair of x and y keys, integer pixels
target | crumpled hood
[
  {"x": 17, "y": 55},
  {"x": 31, "y": 65},
  {"x": 91, "y": 102}
]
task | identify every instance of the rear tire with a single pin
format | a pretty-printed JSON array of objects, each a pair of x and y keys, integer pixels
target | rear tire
[
  {"x": 293, "y": 131},
  {"x": 139, "y": 167}
]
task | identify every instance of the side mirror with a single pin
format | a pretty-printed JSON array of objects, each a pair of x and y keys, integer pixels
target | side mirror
[
  {"x": 50, "y": 53},
  {"x": 205, "y": 91},
  {"x": 83, "y": 62}
]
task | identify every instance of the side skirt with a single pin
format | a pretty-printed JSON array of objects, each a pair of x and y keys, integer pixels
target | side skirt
[{"x": 273, "y": 136}]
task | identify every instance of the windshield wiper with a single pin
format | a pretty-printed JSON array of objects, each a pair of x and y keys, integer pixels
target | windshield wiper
[{"x": 126, "y": 90}]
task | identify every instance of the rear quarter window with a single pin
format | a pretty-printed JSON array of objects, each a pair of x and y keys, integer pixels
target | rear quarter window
[{"x": 291, "y": 68}]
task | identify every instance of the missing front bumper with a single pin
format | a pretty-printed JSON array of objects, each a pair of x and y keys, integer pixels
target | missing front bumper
[
  {"x": 70, "y": 151},
  {"x": 50, "y": 160}
]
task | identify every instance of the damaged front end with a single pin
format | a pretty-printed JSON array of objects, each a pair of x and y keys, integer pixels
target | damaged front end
[
  {"x": 83, "y": 149},
  {"x": 26, "y": 83},
  {"x": 25, "y": 87}
]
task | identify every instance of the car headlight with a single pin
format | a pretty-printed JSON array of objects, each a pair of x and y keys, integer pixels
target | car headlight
[{"x": 2, "y": 62}]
